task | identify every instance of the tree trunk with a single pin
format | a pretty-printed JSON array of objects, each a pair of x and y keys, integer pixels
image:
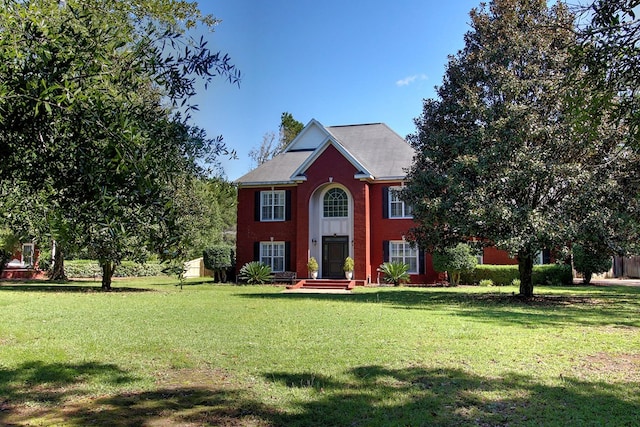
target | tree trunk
[
  {"x": 525, "y": 267},
  {"x": 586, "y": 277},
  {"x": 57, "y": 269},
  {"x": 108, "y": 268}
]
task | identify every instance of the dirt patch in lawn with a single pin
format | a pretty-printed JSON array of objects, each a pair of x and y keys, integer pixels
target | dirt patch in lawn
[{"x": 622, "y": 367}]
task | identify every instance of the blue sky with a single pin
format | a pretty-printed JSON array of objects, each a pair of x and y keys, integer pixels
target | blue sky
[{"x": 339, "y": 62}]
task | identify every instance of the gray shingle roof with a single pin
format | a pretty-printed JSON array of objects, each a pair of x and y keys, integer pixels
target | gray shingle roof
[{"x": 382, "y": 152}]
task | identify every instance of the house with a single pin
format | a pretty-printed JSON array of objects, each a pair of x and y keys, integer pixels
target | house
[
  {"x": 23, "y": 263},
  {"x": 333, "y": 193}
]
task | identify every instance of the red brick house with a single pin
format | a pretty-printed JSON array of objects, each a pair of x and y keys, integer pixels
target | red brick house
[{"x": 329, "y": 195}]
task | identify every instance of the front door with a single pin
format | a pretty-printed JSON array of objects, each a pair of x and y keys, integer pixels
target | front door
[{"x": 334, "y": 250}]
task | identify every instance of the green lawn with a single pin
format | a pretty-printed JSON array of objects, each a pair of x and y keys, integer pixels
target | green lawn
[{"x": 151, "y": 354}]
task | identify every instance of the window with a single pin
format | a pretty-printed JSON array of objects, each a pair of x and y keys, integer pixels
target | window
[
  {"x": 397, "y": 207},
  {"x": 27, "y": 253},
  {"x": 272, "y": 254},
  {"x": 336, "y": 203},
  {"x": 272, "y": 205},
  {"x": 402, "y": 251}
]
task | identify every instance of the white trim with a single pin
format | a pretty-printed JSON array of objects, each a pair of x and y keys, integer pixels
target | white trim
[{"x": 362, "y": 172}]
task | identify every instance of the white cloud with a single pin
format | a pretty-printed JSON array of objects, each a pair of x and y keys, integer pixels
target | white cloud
[{"x": 411, "y": 79}]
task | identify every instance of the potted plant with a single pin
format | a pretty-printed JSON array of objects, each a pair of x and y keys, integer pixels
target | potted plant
[
  {"x": 312, "y": 266},
  {"x": 348, "y": 268}
]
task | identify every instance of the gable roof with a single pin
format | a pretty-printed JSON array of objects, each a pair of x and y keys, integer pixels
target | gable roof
[{"x": 377, "y": 153}]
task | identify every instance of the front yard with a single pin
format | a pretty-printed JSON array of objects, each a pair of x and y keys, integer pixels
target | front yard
[{"x": 152, "y": 354}]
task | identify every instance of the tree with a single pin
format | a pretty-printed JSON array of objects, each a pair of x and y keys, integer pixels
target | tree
[
  {"x": 607, "y": 56},
  {"x": 89, "y": 92},
  {"x": 498, "y": 157},
  {"x": 289, "y": 129},
  {"x": 455, "y": 260},
  {"x": 589, "y": 260},
  {"x": 265, "y": 151}
]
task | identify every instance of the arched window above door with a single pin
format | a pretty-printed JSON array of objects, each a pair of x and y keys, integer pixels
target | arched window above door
[{"x": 335, "y": 203}]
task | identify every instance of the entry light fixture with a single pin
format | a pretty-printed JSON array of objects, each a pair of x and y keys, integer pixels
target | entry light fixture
[{"x": 314, "y": 241}]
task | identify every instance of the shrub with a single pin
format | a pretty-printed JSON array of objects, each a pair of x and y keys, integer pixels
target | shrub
[
  {"x": 395, "y": 272},
  {"x": 503, "y": 275},
  {"x": 589, "y": 261},
  {"x": 486, "y": 282},
  {"x": 348, "y": 264},
  {"x": 219, "y": 259},
  {"x": 255, "y": 273},
  {"x": 85, "y": 268},
  {"x": 455, "y": 261},
  {"x": 312, "y": 264},
  {"x": 515, "y": 282}
]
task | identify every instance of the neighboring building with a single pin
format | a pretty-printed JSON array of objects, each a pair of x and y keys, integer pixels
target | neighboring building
[
  {"x": 23, "y": 263},
  {"x": 331, "y": 194}
]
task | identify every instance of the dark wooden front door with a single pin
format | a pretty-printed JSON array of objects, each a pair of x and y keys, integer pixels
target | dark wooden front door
[{"x": 334, "y": 250}]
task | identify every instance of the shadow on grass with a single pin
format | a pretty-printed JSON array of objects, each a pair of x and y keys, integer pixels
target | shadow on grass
[
  {"x": 70, "y": 286},
  {"x": 618, "y": 306},
  {"x": 362, "y": 396}
]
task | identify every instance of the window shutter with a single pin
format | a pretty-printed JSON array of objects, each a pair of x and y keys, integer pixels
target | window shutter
[
  {"x": 385, "y": 251},
  {"x": 287, "y": 256},
  {"x": 256, "y": 251},
  {"x": 385, "y": 203},
  {"x": 546, "y": 256},
  {"x": 287, "y": 205},
  {"x": 257, "y": 206},
  {"x": 421, "y": 266}
]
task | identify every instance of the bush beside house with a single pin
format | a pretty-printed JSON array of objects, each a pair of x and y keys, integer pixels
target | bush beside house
[{"x": 503, "y": 275}]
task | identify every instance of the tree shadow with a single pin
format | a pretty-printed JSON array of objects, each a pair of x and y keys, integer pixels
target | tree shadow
[
  {"x": 374, "y": 395},
  {"x": 587, "y": 306},
  {"x": 367, "y": 395},
  {"x": 66, "y": 287}
]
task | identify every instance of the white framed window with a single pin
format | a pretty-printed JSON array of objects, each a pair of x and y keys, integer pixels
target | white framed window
[
  {"x": 335, "y": 204},
  {"x": 27, "y": 253},
  {"x": 272, "y": 254},
  {"x": 402, "y": 251},
  {"x": 272, "y": 205},
  {"x": 397, "y": 207}
]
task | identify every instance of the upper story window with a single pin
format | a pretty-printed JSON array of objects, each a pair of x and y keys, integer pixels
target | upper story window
[
  {"x": 397, "y": 207},
  {"x": 272, "y": 205},
  {"x": 336, "y": 203}
]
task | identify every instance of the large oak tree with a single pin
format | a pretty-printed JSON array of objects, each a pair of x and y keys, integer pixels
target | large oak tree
[{"x": 90, "y": 99}]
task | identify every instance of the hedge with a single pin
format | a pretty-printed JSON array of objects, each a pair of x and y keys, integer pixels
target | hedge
[
  {"x": 502, "y": 275},
  {"x": 89, "y": 268}
]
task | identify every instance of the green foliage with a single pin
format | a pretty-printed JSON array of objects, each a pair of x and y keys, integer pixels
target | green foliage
[
  {"x": 255, "y": 273},
  {"x": 289, "y": 129},
  {"x": 60, "y": 110},
  {"x": 499, "y": 156},
  {"x": 83, "y": 268},
  {"x": 219, "y": 259},
  {"x": 503, "y": 275},
  {"x": 312, "y": 264},
  {"x": 486, "y": 282},
  {"x": 348, "y": 264},
  {"x": 516, "y": 283},
  {"x": 395, "y": 272},
  {"x": 455, "y": 260},
  {"x": 589, "y": 261}
]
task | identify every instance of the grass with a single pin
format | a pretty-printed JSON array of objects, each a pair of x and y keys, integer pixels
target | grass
[{"x": 152, "y": 354}]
